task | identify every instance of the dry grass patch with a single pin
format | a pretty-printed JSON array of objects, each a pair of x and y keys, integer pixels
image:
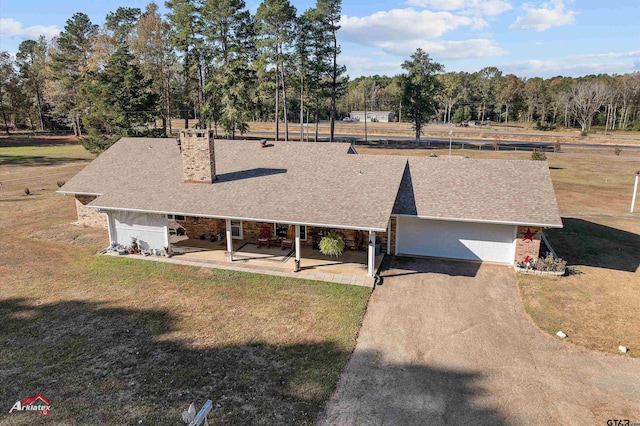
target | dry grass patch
[
  {"x": 118, "y": 341},
  {"x": 598, "y": 308}
]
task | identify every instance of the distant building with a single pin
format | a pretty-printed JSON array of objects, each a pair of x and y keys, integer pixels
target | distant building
[{"x": 373, "y": 116}]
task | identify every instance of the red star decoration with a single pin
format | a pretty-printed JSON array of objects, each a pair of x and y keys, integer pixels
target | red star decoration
[{"x": 528, "y": 235}]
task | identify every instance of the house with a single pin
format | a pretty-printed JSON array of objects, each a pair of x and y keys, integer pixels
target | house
[
  {"x": 372, "y": 116},
  {"x": 479, "y": 210}
]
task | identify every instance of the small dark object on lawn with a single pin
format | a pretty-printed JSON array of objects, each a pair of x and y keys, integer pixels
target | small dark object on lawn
[
  {"x": 617, "y": 150},
  {"x": 60, "y": 183},
  {"x": 537, "y": 155},
  {"x": 27, "y": 191}
]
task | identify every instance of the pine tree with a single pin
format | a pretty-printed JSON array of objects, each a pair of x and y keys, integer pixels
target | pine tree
[
  {"x": 330, "y": 11},
  {"x": 420, "y": 88},
  {"x": 275, "y": 19},
  {"x": 229, "y": 35},
  {"x": 69, "y": 65},
  {"x": 32, "y": 61},
  {"x": 118, "y": 101}
]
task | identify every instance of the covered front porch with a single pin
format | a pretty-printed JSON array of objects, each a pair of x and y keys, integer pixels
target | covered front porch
[{"x": 349, "y": 268}]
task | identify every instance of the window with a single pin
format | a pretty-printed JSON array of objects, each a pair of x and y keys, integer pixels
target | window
[
  {"x": 236, "y": 229},
  {"x": 177, "y": 217},
  {"x": 281, "y": 231}
]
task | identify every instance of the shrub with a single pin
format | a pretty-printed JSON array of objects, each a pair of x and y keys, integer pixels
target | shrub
[
  {"x": 61, "y": 183},
  {"x": 27, "y": 191},
  {"x": 433, "y": 155},
  {"x": 538, "y": 155},
  {"x": 548, "y": 263},
  {"x": 583, "y": 133},
  {"x": 556, "y": 146},
  {"x": 332, "y": 244},
  {"x": 617, "y": 150}
]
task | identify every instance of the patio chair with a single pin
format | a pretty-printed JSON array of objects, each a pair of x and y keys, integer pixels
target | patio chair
[
  {"x": 264, "y": 237},
  {"x": 289, "y": 240}
]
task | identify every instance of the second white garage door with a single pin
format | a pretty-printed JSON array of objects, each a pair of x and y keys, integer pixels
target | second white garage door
[{"x": 456, "y": 240}]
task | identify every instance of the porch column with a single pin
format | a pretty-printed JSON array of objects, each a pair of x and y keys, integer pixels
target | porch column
[
  {"x": 389, "y": 238},
  {"x": 297, "y": 267},
  {"x": 111, "y": 228},
  {"x": 371, "y": 253},
  {"x": 229, "y": 241}
]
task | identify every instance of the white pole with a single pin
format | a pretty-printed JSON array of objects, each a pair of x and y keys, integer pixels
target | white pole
[
  {"x": 389, "y": 238},
  {"x": 371, "y": 258},
  {"x": 635, "y": 190},
  {"x": 229, "y": 241},
  {"x": 297, "y": 266}
]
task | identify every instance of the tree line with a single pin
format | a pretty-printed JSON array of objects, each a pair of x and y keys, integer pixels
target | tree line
[
  {"x": 208, "y": 61},
  {"x": 215, "y": 65},
  {"x": 612, "y": 102}
]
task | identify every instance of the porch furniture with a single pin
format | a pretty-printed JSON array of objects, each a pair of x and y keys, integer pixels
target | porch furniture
[
  {"x": 264, "y": 238},
  {"x": 289, "y": 240}
]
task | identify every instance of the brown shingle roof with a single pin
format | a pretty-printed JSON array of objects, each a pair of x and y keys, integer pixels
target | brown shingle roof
[
  {"x": 505, "y": 191},
  {"x": 318, "y": 183},
  {"x": 291, "y": 182}
]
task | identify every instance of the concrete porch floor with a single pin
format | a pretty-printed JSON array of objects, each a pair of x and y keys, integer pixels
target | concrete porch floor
[{"x": 350, "y": 268}]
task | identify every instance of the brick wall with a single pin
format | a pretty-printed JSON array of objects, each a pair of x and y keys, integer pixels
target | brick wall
[
  {"x": 526, "y": 247},
  {"x": 88, "y": 216},
  {"x": 196, "y": 226},
  {"x": 394, "y": 227},
  {"x": 198, "y": 156}
]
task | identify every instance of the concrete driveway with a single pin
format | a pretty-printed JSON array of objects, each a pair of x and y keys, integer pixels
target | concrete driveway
[{"x": 448, "y": 343}]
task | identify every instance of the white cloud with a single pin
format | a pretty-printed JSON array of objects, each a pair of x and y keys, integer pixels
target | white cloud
[
  {"x": 477, "y": 7},
  {"x": 402, "y": 24},
  {"x": 548, "y": 15},
  {"x": 577, "y": 65},
  {"x": 12, "y": 28},
  {"x": 399, "y": 32},
  {"x": 463, "y": 49},
  {"x": 364, "y": 66}
]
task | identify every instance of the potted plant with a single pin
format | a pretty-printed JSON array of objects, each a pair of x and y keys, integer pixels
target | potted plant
[{"x": 332, "y": 244}]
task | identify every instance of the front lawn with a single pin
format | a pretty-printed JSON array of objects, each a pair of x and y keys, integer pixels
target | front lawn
[{"x": 118, "y": 341}]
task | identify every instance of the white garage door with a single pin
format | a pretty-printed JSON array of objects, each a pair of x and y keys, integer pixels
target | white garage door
[
  {"x": 456, "y": 240},
  {"x": 149, "y": 229}
]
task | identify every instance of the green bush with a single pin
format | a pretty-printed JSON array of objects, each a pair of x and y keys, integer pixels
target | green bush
[
  {"x": 61, "y": 183},
  {"x": 332, "y": 244},
  {"x": 537, "y": 155}
]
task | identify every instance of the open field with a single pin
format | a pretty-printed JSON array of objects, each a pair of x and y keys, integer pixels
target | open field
[
  {"x": 377, "y": 131},
  {"x": 117, "y": 341},
  {"x": 599, "y": 308},
  {"x": 38, "y": 163}
]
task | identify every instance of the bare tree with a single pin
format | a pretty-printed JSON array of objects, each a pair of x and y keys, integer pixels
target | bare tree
[{"x": 585, "y": 100}]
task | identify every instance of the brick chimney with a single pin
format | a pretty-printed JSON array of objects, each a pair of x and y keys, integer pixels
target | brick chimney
[{"x": 198, "y": 156}]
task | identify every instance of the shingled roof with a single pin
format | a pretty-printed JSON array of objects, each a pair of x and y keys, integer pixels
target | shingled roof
[
  {"x": 496, "y": 191},
  {"x": 318, "y": 184},
  {"x": 290, "y": 182}
]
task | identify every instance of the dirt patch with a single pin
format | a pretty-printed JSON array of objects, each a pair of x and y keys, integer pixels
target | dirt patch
[{"x": 73, "y": 234}]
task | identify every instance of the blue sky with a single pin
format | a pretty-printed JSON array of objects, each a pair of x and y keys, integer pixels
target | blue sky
[{"x": 528, "y": 38}]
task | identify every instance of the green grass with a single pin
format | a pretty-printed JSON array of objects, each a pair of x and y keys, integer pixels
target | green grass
[
  {"x": 46, "y": 155},
  {"x": 112, "y": 340}
]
